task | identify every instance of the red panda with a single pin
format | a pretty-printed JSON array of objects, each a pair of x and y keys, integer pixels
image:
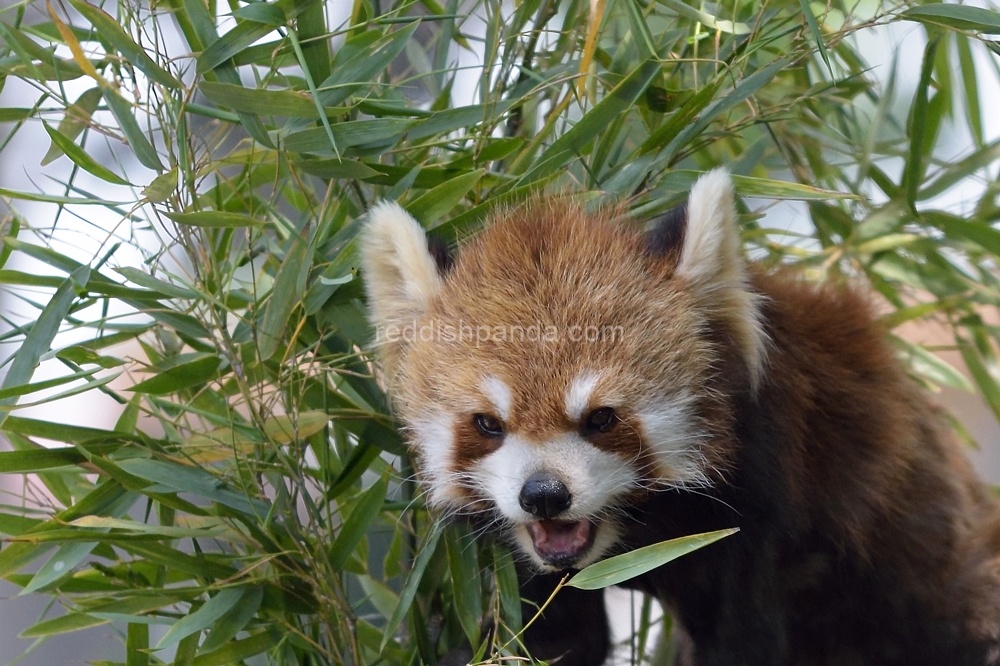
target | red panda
[{"x": 584, "y": 387}]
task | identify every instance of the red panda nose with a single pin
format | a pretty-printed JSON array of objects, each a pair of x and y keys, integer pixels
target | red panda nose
[{"x": 544, "y": 496}]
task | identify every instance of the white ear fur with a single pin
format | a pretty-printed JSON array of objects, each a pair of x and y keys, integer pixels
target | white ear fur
[
  {"x": 711, "y": 261},
  {"x": 401, "y": 277}
]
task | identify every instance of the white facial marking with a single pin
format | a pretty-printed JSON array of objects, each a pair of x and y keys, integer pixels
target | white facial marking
[
  {"x": 434, "y": 440},
  {"x": 596, "y": 480},
  {"x": 578, "y": 394},
  {"x": 671, "y": 431},
  {"x": 498, "y": 394}
]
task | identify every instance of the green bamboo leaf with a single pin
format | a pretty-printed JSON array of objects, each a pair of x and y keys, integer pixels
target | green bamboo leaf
[
  {"x": 961, "y": 17},
  {"x": 209, "y": 527},
  {"x": 237, "y": 651},
  {"x": 987, "y": 383},
  {"x": 807, "y": 12},
  {"x": 57, "y": 199},
  {"x": 413, "y": 581},
  {"x": 705, "y": 18},
  {"x": 235, "y": 619},
  {"x": 568, "y": 146},
  {"x": 17, "y": 555},
  {"x": 262, "y": 101},
  {"x": 463, "y": 565},
  {"x": 463, "y": 119},
  {"x": 39, "y": 339},
  {"x": 289, "y": 288},
  {"x": 348, "y": 134},
  {"x": 62, "y": 625},
  {"x": 137, "y": 644},
  {"x": 22, "y": 462},
  {"x": 167, "y": 289},
  {"x": 198, "y": 482},
  {"x": 508, "y": 588},
  {"x": 913, "y": 173},
  {"x": 61, "y": 432},
  {"x": 739, "y": 94},
  {"x": 16, "y": 525},
  {"x": 360, "y": 60},
  {"x": 681, "y": 180},
  {"x": 77, "y": 118},
  {"x": 339, "y": 169},
  {"x": 970, "y": 85},
  {"x": 364, "y": 513},
  {"x": 110, "y": 30},
  {"x": 180, "y": 377},
  {"x": 222, "y": 49},
  {"x": 621, "y": 568},
  {"x": 68, "y": 555},
  {"x": 76, "y": 390},
  {"x": 261, "y": 12},
  {"x": 209, "y": 612},
  {"x": 435, "y": 204},
  {"x": 62, "y": 562},
  {"x": 75, "y": 621},
  {"x": 141, "y": 147},
  {"x": 380, "y": 595},
  {"x": 15, "y": 115},
  {"x": 980, "y": 233},
  {"x": 931, "y": 366},
  {"x": 162, "y": 187},
  {"x": 54, "y": 483},
  {"x": 214, "y": 219},
  {"x": 25, "y": 389}
]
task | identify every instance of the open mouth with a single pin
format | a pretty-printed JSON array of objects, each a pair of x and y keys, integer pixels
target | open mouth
[{"x": 560, "y": 543}]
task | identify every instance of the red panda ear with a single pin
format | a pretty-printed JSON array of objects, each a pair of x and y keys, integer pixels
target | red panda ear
[
  {"x": 401, "y": 273},
  {"x": 712, "y": 263},
  {"x": 666, "y": 237}
]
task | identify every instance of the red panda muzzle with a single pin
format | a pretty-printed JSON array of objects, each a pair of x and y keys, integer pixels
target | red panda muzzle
[{"x": 559, "y": 542}]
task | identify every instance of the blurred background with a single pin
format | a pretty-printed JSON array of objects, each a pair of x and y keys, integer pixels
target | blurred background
[{"x": 892, "y": 50}]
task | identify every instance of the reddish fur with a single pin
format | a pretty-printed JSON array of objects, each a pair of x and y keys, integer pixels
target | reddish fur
[{"x": 865, "y": 539}]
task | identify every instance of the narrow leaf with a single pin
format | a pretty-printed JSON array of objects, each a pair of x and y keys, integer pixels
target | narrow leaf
[
  {"x": 621, "y": 568},
  {"x": 413, "y": 581},
  {"x": 110, "y": 29},
  {"x": 202, "y": 618},
  {"x": 180, "y": 377},
  {"x": 214, "y": 219},
  {"x": 82, "y": 159},
  {"x": 364, "y": 513}
]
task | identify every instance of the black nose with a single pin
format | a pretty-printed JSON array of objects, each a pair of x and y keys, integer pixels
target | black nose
[{"x": 544, "y": 496}]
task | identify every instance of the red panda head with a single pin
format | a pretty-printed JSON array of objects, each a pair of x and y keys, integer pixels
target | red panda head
[{"x": 564, "y": 365}]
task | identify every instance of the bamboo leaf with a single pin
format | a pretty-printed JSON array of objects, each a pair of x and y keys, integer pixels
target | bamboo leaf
[
  {"x": 413, "y": 580},
  {"x": 39, "y": 339},
  {"x": 235, "y": 619},
  {"x": 621, "y": 568},
  {"x": 214, "y": 219},
  {"x": 436, "y": 203},
  {"x": 914, "y": 172},
  {"x": 260, "y": 100},
  {"x": 111, "y": 30},
  {"x": 208, "y": 613},
  {"x": 122, "y": 111},
  {"x": 77, "y": 118},
  {"x": 961, "y": 17},
  {"x": 180, "y": 377},
  {"x": 364, "y": 513},
  {"x": 237, "y": 651},
  {"x": 82, "y": 159},
  {"x": 289, "y": 288}
]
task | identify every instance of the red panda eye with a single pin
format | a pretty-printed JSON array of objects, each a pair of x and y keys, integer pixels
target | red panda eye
[
  {"x": 488, "y": 426},
  {"x": 602, "y": 420}
]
